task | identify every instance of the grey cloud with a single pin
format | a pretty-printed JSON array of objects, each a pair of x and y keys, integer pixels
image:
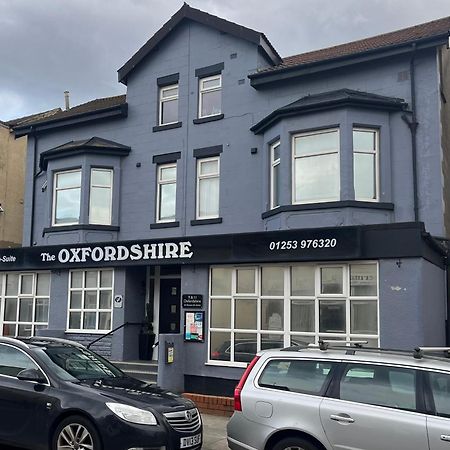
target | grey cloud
[{"x": 49, "y": 46}]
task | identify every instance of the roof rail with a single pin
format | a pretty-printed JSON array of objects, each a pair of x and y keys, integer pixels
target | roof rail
[
  {"x": 325, "y": 343},
  {"x": 419, "y": 352},
  {"x": 51, "y": 339},
  {"x": 14, "y": 341}
]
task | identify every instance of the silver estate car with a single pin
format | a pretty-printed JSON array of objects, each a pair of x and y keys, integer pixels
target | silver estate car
[{"x": 343, "y": 398}]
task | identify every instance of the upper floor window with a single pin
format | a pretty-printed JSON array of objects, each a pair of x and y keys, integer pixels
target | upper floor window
[
  {"x": 210, "y": 96},
  {"x": 365, "y": 164},
  {"x": 208, "y": 177},
  {"x": 100, "y": 202},
  {"x": 67, "y": 197},
  {"x": 168, "y": 104},
  {"x": 275, "y": 177},
  {"x": 166, "y": 192},
  {"x": 316, "y": 166}
]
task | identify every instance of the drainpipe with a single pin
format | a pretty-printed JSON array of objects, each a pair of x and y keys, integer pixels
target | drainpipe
[{"x": 413, "y": 124}]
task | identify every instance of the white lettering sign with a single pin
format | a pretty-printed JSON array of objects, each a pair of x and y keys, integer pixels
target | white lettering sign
[{"x": 136, "y": 252}]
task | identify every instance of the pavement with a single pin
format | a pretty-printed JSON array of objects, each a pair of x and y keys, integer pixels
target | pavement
[{"x": 214, "y": 432}]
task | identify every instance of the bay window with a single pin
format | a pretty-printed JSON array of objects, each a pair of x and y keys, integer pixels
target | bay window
[
  {"x": 67, "y": 197},
  {"x": 316, "y": 166},
  {"x": 100, "y": 199},
  {"x": 275, "y": 176},
  {"x": 365, "y": 163}
]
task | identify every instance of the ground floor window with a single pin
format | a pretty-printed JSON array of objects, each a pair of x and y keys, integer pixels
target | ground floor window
[
  {"x": 24, "y": 302},
  {"x": 272, "y": 306},
  {"x": 90, "y": 300}
]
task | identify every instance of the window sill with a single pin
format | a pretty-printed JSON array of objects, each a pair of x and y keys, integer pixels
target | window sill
[
  {"x": 169, "y": 126},
  {"x": 158, "y": 225},
  {"x": 206, "y": 221},
  {"x": 56, "y": 228},
  {"x": 88, "y": 332},
  {"x": 328, "y": 205},
  {"x": 229, "y": 364},
  {"x": 208, "y": 119}
]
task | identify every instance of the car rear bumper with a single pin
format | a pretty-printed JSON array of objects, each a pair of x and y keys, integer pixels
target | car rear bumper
[{"x": 236, "y": 445}]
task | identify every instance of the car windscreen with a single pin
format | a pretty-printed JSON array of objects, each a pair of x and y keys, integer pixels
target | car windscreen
[{"x": 82, "y": 363}]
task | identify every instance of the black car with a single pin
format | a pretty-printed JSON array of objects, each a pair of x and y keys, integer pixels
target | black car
[{"x": 56, "y": 394}]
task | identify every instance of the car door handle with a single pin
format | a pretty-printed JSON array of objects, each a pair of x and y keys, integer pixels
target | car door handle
[
  {"x": 445, "y": 437},
  {"x": 342, "y": 418}
]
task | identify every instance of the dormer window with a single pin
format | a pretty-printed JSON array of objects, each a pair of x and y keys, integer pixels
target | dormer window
[{"x": 168, "y": 104}]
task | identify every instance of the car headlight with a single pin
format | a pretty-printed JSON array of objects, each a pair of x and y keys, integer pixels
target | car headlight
[{"x": 132, "y": 414}]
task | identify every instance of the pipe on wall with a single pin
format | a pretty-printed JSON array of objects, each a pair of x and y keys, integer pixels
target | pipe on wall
[{"x": 413, "y": 124}]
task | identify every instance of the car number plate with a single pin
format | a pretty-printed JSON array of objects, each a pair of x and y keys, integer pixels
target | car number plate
[{"x": 190, "y": 441}]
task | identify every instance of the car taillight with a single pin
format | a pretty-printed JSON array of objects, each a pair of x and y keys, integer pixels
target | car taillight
[{"x": 239, "y": 387}]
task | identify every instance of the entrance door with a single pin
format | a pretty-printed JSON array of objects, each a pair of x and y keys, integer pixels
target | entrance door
[{"x": 169, "y": 305}]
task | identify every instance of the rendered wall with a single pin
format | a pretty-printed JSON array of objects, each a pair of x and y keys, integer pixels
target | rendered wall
[
  {"x": 244, "y": 176},
  {"x": 12, "y": 179}
]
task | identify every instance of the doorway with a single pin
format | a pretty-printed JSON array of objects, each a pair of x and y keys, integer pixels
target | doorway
[{"x": 169, "y": 305}]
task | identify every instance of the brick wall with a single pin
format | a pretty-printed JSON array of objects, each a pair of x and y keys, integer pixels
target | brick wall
[{"x": 211, "y": 404}]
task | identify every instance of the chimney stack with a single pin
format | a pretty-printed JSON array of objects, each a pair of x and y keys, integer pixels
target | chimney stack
[{"x": 66, "y": 99}]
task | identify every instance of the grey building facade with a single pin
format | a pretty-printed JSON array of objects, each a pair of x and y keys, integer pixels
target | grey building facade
[{"x": 251, "y": 201}]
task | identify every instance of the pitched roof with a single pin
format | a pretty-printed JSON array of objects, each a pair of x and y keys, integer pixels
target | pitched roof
[
  {"x": 94, "y": 145},
  {"x": 31, "y": 118},
  {"x": 91, "y": 108},
  {"x": 435, "y": 29},
  {"x": 328, "y": 100},
  {"x": 196, "y": 15}
]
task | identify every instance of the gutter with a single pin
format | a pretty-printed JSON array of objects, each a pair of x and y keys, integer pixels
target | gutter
[{"x": 118, "y": 111}]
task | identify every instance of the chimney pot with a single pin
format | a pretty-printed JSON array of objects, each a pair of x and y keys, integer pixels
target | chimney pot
[{"x": 67, "y": 99}]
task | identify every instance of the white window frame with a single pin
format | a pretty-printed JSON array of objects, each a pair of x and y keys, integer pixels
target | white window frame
[
  {"x": 287, "y": 298},
  {"x": 161, "y": 183},
  {"x": 202, "y": 90},
  {"x": 55, "y": 189},
  {"x": 294, "y": 158},
  {"x": 92, "y": 186},
  {"x": 34, "y": 296},
  {"x": 273, "y": 164},
  {"x": 202, "y": 177},
  {"x": 376, "y": 152},
  {"x": 163, "y": 99},
  {"x": 83, "y": 310}
]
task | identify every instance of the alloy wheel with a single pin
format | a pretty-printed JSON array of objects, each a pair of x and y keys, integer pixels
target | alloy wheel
[{"x": 75, "y": 437}]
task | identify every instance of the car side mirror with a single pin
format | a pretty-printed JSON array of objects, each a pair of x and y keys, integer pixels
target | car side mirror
[{"x": 34, "y": 375}]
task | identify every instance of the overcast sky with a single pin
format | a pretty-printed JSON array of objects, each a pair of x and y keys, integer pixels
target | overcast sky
[{"x": 49, "y": 46}]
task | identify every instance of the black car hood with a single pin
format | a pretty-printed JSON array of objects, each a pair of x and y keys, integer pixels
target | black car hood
[{"x": 131, "y": 391}]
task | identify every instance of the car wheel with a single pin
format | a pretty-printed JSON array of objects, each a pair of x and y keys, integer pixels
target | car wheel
[
  {"x": 294, "y": 443},
  {"x": 76, "y": 433}
]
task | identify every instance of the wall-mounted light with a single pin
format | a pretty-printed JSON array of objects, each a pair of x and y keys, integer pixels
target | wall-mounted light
[{"x": 399, "y": 263}]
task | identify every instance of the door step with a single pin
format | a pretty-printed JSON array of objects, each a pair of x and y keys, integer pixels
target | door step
[{"x": 146, "y": 371}]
